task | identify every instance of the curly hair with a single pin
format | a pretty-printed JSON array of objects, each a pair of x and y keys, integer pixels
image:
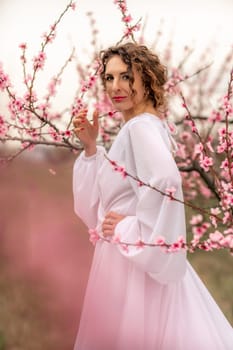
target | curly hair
[{"x": 153, "y": 72}]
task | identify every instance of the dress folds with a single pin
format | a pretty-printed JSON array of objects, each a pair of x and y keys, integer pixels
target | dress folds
[{"x": 141, "y": 298}]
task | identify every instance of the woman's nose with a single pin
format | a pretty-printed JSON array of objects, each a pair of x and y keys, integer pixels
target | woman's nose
[{"x": 116, "y": 85}]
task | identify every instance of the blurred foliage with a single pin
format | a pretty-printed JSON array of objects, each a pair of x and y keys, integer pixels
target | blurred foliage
[
  {"x": 214, "y": 268},
  {"x": 2, "y": 341}
]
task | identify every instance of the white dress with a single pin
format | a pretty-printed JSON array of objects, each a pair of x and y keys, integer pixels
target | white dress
[{"x": 143, "y": 299}]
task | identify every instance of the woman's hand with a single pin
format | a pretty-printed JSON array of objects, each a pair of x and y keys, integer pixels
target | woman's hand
[
  {"x": 86, "y": 131},
  {"x": 110, "y": 222}
]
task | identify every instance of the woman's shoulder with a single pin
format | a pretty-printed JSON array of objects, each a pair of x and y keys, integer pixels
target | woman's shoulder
[
  {"x": 145, "y": 121},
  {"x": 149, "y": 127}
]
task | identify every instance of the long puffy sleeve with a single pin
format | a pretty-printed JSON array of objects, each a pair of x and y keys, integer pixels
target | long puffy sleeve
[
  {"x": 148, "y": 156},
  {"x": 85, "y": 186}
]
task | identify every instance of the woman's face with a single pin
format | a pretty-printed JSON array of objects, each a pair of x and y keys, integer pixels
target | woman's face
[{"x": 118, "y": 88}]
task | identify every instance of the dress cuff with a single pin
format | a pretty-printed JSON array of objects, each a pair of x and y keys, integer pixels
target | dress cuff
[{"x": 100, "y": 150}]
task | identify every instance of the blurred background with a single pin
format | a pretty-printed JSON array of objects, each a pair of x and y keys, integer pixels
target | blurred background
[{"x": 45, "y": 254}]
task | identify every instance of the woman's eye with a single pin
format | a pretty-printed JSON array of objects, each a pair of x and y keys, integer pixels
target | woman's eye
[
  {"x": 108, "y": 78},
  {"x": 125, "y": 77}
]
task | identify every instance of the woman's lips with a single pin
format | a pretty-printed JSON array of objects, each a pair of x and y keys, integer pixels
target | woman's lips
[{"x": 118, "y": 98}]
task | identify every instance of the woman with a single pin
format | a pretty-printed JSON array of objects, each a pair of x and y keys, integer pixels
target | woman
[{"x": 138, "y": 298}]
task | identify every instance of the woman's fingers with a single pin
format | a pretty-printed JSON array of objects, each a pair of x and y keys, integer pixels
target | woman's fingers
[
  {"x": 80, "y": 117},
  {"x": 108, "y": 227},
  {"x": 78, "y": 129},
  {"x": 81, "y": 121},
  {"x": 110, "y": 221},
  {"x": 107, "y": 233},
  {"x": 96, "y": 118},
  {"x": 78, "y": 121},
  {"x": 114, "y": 216}
]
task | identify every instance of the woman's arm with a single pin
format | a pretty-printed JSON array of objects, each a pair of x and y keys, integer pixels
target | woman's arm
[
  {"x": 85, "y": 191},
  {"x": 150, "y": 159}
]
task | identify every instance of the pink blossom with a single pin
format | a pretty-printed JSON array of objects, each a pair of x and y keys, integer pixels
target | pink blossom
[
  {"x": 31, "y": 97},
  {"x": 176, "y": 246},
  {"x": 119, "y": 169},
  {"x": 198, "y": 148},
  {"x": 73, "y": 6},
  {"x": 215, "y": 116},
  {"x": 127, "y": 19},
  {"x": 53, "y": 27},
  {"x": 28, "y": 146},
  {"x": 216, "y": 236},
  {"x": 205, "y": 225},
  {"x": 116, "y": 239},
  {"x": 222, "y": 147},
  {"x": 3, "y": 127},
  {"x": 177, "y": 75},
  {"x": 23, "y": 46},
  {"x": 113, "y": 163},
  {"x": 205, "y": 246},
  {"x": 124, "y": 247},
  {"x": 52, "y": 86},
  {"x": 78, "y": 104},
  {"x": 226, "y": 217},
  {"x": 181, "y": 239},
  {"x": 39, "y": 60},
  {"x": 4, "y": 79},
  {"x": 110, "y": 114},
  {"x": 170, "y": 192},
  {"x": 23, "y": 59},
  {"x": 215, "y": 211},
  {"x": 94, "y": 236},
  {"x": 121, "y": 4},
  {"x": 226, "y": 105},
  {"x": 1, "y": 120},
  {"x": 67, "y": 133},
  {"x": 228, "y": 231},
  {"x": 105, "y": 136},
  {"x": 85, "y": 85},
  {"x": 159, "y": 240},
  {"x": 224, "y": 164},
  {"x": 205, "y": 191},
  {"x": 55, "y": 135},
  {"x": 209, "y": 146},
  {"x": 172, "y": 128},
  {"x": 222, "y": 132},
  {"x": 196, "y": 219},
  {"x": 3, "y": 130},
  {"x": 33, "y": 133},
  {"x": 227, "y": 241},
  {"x": 195, "y": 241},
  {"x": 181, "y": 151},
  {"x": 186, "y": 136},
  {"x": 140, "y": 244},
  {"x": 43, "y": 106},
  {"x": 198, "y": 231},
  {"x": 129, "y": 31},
  {"x": 16, "y": 105},
  {"x": 206, "y": 163},
  {"x": 49, "y": 38},
  {"x": 28, "y": 78}
]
